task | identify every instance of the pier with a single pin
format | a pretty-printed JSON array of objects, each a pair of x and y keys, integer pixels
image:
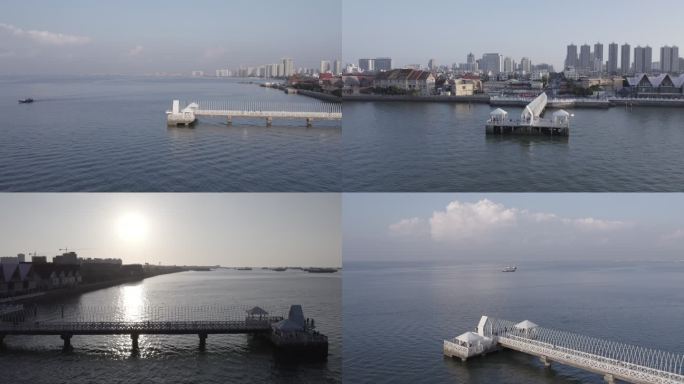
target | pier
[
  {"x": 293, "y": 333},
  {"x": 531, "y": 121},
  {"x": 614, "y": 361},
  {"x": 260, "y": 110}
]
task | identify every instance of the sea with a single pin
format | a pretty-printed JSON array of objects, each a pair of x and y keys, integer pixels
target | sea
[
  {"x": 442, "y": 147},
  {"x": 396, "y": 315},
  {"x": 109, "y": 133},
  {"x": 177, "y": 358}
]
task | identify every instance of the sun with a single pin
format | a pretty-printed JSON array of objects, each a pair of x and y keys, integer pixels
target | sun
[{"x": 132, "y": 227}]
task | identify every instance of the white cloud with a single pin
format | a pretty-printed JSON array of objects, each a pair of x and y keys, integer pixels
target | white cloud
[
  {"x": 674, "y": 236},
  {"x": 136, "y": 51},
  {"x": 486, "y": 220},
  {"x": 410, "y": 226},
  {"x": 45, "y": 37}
]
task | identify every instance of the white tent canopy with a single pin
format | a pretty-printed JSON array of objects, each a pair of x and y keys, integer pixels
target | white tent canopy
[
  {"x": 498, "y": 112},
  {"x": 469, "y": 337},
  {"x": 526, "y": 325}
]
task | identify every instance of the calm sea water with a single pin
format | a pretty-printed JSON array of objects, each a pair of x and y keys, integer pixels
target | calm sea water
[
  {"x": 418, "y": 147},
  {"x": 110, "y": 134},
  {"x": 397, "y": 315},
  {"x": 176, "y": 358}
]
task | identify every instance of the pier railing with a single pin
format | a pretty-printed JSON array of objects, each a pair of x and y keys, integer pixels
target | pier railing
[
  {"x": 242, "y": 107},
  {"x": 590, "y": 352}
]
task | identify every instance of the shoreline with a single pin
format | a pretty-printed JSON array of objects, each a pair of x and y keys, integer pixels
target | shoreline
[
  {"x": 62, "y": 293},
  {"x": 513, "y": 102}
]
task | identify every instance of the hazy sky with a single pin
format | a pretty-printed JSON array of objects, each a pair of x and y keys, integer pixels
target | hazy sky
[
  {"x": 413, "y": 32},
  {"x": 183, "y": 229},
  {"x": 126, "y": 36},
  {"x": 513, "y": 227}
]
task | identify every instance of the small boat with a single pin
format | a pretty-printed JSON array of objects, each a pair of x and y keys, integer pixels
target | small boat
[
  {"x": 279, "y": 269},
  {"x": 510, "y": 269},
  {"x": 26, "y": 101},
  {"x": 244, "y": 269},
  {"x": 321, "y": 270}
]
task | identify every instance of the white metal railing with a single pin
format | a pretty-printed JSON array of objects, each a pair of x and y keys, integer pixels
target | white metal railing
[
  {"x": 264, "y": 106},
  {"x": 637, "y": 360}
]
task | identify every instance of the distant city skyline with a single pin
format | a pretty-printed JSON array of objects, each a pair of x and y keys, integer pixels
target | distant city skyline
[
  {"x": 449, "y": 40},
  {"x": 127, "y": 37},
  {"x": 176, "y": 229},
  {"x": 514, "y": 228}
]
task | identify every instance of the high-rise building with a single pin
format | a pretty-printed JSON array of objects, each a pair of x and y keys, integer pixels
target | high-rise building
[
  {"x": 598, "y": 52},
  {"x": 585, "y": 58},
  {"x": 325, "y": 66},
  {"x": 625, "y": 62},
  {"x": 508, "y": 65},
  {"x": 367, "y": 65},
  {"x": 383, "y": 64},
  {"x": 612, "y": 67},
  {"x": 643, "y": 59},
  {"x": 471, "y": 64},
  {"x": 571, "y": 59},
  {"x": 669, "y": 59},
  {"x": 492, "y": 62},
  {"x": 337, "y": 67},
  {"x": 432, "y": 64},
  {"x": 288, "y": 67},
  {"x": 525, "y": 65}
]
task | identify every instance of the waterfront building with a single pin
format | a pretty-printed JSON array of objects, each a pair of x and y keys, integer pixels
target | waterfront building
[
  {"x": 197, "y": 73},
  {"x": 23, "y": 278},
  {"x": 585, "y": 62},
  {"x": 643, "y": 59},
  {"x": 492, "y": 63},
  {"x": 38, "y": 259},
  {"x": 463, "y": 87},
  {"x": 383, "y": 64},
  {"x": 669, "y": 59},
  {"x": 367, "y": 65},
  {"x": 288, "y": 67},
  {"x": 571, "y": 59},
  {"x": 625, "y": 62},
  {"x": 325, "y": 66},
  {"x": 525, "y": 65},
  {"x": 612, "y": 65},
  {"x": 413, "y": 81},
  {"x": 660, "y": 86},
  {"x": 66, "y": 258}
]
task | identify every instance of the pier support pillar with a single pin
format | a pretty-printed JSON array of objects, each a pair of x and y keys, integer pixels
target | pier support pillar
[
  {"x": 309, "y": 122},
  {"x": 269, "y": 121},
  {"x": 67, "y": 341},
  {"x": 545, "y": 361},
  {"x": 609, "y": 379},
  {"x": 230, "y": 120},
  {"x": 2, "y": 341},
  {"x": 134, "y": 341},
  {"x": 203, "y": 341}
]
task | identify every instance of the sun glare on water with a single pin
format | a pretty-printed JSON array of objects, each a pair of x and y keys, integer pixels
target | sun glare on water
[{"x": 132, "y": 227}]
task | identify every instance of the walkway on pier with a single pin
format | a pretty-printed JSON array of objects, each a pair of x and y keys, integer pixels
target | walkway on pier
[
  {"x": 615, "y": 361},
  {"x": 264, "y": 110}
]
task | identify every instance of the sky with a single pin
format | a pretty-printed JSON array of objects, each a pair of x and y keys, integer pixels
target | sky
[
  {"x": 177, "y": 229},
  {"x": 139, "y": 37},
  {"x": 513, "y": 228},
  {"x": 447, "y": 30}
]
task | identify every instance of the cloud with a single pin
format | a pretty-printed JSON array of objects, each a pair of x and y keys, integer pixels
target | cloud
[
  {"x": 673, "y": 236},
  {"x": 408, "y": 226},
  {"x": 136, "y": 51},
  {"x": 486, "y": 220},
  {"x": 45, "y": 37}
]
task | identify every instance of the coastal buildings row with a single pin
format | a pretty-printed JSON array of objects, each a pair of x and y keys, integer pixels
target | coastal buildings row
[
  {"x": 620, "y": 60},
  {"x": 283, "y": 69}
]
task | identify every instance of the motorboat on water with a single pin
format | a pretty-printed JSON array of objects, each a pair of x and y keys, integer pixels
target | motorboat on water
[
  {"x": 26, "y": 101},
  {"x": 510, "y": 269}
]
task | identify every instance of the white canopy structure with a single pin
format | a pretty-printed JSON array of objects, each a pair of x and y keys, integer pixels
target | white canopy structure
[
  {"x": 498, "y": 115},
  {"x": 469, "y": 339},
  {"x": 526, "y": 325},
  {"x": 561, "y": 117},
  {"x": 534, "y": 109}
]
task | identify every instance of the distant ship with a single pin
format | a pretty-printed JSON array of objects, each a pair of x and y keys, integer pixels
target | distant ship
[
  {"x": 510, "y": 269},
  {"x": 321, "y": 270},
  {"x": 26, "y": 101},
  {"x": 280, "y": 269},
  {"x": 244, "y": 269}
]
